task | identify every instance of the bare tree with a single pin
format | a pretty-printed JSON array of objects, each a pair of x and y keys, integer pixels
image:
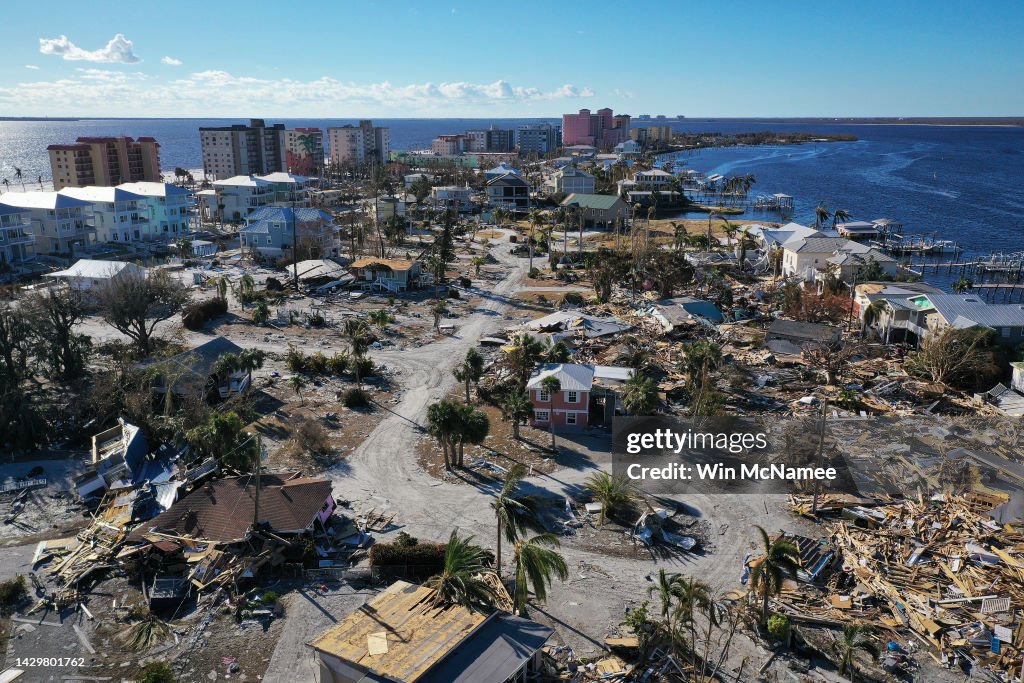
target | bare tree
[
  {"x": 52, "y": 317},
  {"x": 830, "y": 359},
  {"x": 135, "y": 303},
  {"x": 957, "y": 358}
]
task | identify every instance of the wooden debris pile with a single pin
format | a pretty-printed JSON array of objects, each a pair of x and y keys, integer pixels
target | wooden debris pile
[{"x": 939, "y": 571}]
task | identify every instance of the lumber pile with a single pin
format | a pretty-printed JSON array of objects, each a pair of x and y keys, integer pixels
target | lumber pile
[{"x": 939, "y": 571}]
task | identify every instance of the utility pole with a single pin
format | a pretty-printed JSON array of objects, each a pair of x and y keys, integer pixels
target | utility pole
[
  {"x": 256, "y": 505},
  {"x": 821, "y": 450}
]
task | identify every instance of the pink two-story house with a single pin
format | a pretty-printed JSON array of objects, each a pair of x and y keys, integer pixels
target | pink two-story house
[{"x": 570, "y": 406}]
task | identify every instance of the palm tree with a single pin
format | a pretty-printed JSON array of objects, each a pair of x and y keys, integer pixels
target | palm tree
[
  {"x": 872, "y": 314},
  {"x": 666, "y": 588},
  {"x": 358, "y": 335},
  {"x": 516, "y": 408},
  {"x": 821, "y": 215},
  {"x": 477, "y": 262},
  {"x": 702, "y": 357},
  {"x": 640, "y": 395},
  {"x": 536, "y": 564},
  {"x": 462, "y": 581},
  {"x": 962, "y": 285},
  {"x": 470, "y": 370},
  {"x": 840, "y": 215},
  {"x": 536, "y": 218},
  {"x": 679, "y": 235},
  {"x": 730, "y": 229},
  {"x": 260, "y": 312},
  {"x": 296, "y": 383},
  {"x": 855, "y": 637},
  {"x": 6, "y": 184},
  {"x": 514, "y": 513},
  {"x": 19, "y": 176},
  {"x": 611, "y": 492},
  {"x": 693, "y": 594},
  {"x": 551, "y": 385},
  {"x": 778, "y": 560},
  {"x": 246, "y": 288},
  {"x": 444, "y": 423},
  {"x": 380, "y": 318},
  {"x": 473, "y": 427},
  {"x": 556, "y": 352},
  {"x": 438, "y": 310},
  {"x": 525, "y": 352}
]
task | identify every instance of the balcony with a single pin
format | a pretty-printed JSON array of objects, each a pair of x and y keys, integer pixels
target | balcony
[{"x": 11, "y": 238}]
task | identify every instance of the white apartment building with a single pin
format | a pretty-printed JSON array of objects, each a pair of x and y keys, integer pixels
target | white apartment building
[
  {"x": 358, "y": 144},
  {"x": 170, "y": 207},
  {"x": 59, "y": 223},
  {"x": 118, "y": 215}
]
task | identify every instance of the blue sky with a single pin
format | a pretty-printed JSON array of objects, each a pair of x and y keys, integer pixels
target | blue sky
[{"x": 543, "y": 58}]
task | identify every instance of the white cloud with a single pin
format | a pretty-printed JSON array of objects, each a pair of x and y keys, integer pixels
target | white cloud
[
  {"x": 99, "y": 92},
  {"x": 171, "y": 61},
  {"x": 32, "y": 66},
  {"x": 119, "y": 50}
]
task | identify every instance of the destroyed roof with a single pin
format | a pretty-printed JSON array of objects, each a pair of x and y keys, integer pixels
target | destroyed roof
[
  {"x": 590, "y": 326},
  {"x": 316, "y": 269},
  {"x": 802, "y": 330},
  {"x": 399, "y": 635},
  {"x": 222, "y": 511},
  {"x": 685, "y": 308},
  {"x": 391, "y": 263},
  {"x": 572, "y": 377}
]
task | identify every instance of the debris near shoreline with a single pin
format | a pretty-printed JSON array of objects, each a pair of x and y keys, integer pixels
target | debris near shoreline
[{"x": 935, "y": 574}]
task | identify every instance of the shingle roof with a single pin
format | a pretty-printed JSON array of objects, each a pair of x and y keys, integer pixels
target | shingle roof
[
  {"x": 223, "y": 510},
  {"x": 196, "y": 365}
]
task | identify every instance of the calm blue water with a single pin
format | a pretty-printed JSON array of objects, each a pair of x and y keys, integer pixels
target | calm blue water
[{"x": 960, "y": 182}]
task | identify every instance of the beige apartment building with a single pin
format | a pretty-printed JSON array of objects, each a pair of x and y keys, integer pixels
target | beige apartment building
[
  {"x": 358, "y": 144},
  {"x": 105, "y": 161}
]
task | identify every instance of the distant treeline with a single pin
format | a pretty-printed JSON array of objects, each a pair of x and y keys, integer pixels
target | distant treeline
[{"x": 690, "y": 140}]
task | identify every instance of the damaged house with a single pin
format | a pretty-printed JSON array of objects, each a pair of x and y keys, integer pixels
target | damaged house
[
  {"x": 193, "y": 373},
  {"x": 588, "y": 395},
  {"x": 401, "y": 636},
  {"x": 791, "y": 337}
]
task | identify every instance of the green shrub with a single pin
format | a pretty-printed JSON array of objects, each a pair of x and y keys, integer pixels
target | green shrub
[
  {"x": 533, "y": 273},
  {"x": 295, "y": 360},
  {"x": 465, "y": 282},
  {"x": 12, "y": 592},
  {"x": 364, "y": 366},
  {"x": 778, "y": 626},
  {"x": 197, "y": 315},
  {"x": 269, "y": 598},
  {"x": 573, "y": 298},
  {"x": 454, "y": 294},
  {"x": 317, "y": 364},
  {"x": 157, "y": 672},
  {"x": 316, "y": 319},
  {"x": 404, "y": 540},
  {"x": 417, "y": 561},
  {"x": 338, "y": 364},
  {"x": 355, "y": 398}
]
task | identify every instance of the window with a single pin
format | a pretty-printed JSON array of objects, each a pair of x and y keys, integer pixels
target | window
[
  {"x": 540, "y": 415},
  {"x": 570, "y": 418},
  {"x": 572, "y": 397},
  {"x": 543, "y": 396},
  {"x": 1006, "y": 331}
]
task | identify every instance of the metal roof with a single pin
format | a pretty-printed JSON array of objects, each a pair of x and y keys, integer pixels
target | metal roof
[
  {"x": 599, "y": 202},
  {"x": 95, "y": 269},
  {"x": 826, "y": 245},
  {"x": 571, "y": 377},
  {"x": 94, "y": 193},
  {"x": 149, "y": 189},
  {"x": 41, "y": 200},
  {"x": 494, "y": 652},
  {"x": 972, "y": 310}
]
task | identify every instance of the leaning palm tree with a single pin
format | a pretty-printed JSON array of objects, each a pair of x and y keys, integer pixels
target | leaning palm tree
[
  {"x": 665, "y": 588},
  {"x": 778, "y": 560},
  {"x": 962, "y": 285},
  {"x": 551, "y": 385},
  {"x": 536, "y": 564},
  {"x": 246, "y": 288},
  {"x": 610, "y": 491},
  {"x": 514, "y": 512},
  {"x": 461, "y": 581},
  {"x": 640, "y": 395},
  {"x": 856, "y": 637}
]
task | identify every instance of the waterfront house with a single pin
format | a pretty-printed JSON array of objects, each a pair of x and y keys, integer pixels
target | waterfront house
[
  {"x": 240, "y": 195},
  {"x": 509, "y": 192},
  {"x": 571, "y": 180},
  {"x": 934, "y": 313},
  {"x": 86, "y": 274},
  {"x": 583, "y": 387},
  {"x": 847, "y": 266},
  {"x": 58, "y": 222},
  {"x": 776, "y": 238},
  {"x": 119, "y": 215},
  {"x": 857, "y": 230},
  {"x": 402, "y": 636},
  {"x": 17, "y": 243},
  {"x": 805, "y": 258},
  {"x": 392, "y": 275},
  {"x": 270, "y": 231},
  {"x": 597, "y": 209},
  {"x": 169, "y": 207}
]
